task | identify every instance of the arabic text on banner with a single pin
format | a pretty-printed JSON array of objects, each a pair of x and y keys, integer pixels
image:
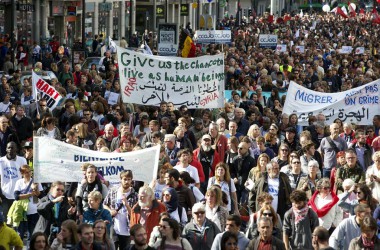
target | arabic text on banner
[
  {"x": 42, "y": 89},
  {"x": 357, "y": 105},
  {"x": 58, "y": 161},
  {"x": 149, "y": 80}
]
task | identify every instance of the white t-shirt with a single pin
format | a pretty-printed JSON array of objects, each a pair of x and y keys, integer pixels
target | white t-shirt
[
  {"x": 10, "y": 174},
  {"x": 158, "y": 188},
  {"x": 20, "y": 186},
  {"x": 197, "y": 193},
  {"x": 121, "y": 221},
  {"x": 225, "y": 188},
  {"x": 193, "y": 171},
  {"x": 273, "y": 189}
]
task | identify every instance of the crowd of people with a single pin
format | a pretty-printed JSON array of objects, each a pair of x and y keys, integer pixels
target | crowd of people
[{"x": 245, "y": 176}]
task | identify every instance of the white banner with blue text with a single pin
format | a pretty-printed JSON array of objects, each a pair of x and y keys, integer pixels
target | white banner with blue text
[
  {"x": 357, "y": 105},
  {"x": 58, "y": 161},
  {"x": 149, "y": 80}
]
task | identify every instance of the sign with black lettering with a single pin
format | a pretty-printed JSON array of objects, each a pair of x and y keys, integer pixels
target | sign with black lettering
[{"x": 268, "y": 41}]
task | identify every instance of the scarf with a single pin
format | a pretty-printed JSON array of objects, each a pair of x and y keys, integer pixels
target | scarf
[
  {"x": 300, "y": 214},
  {"x": 172, "y": 204},
  {"x": 368, "y": 243},
  {"x": 323, "y": 210}
]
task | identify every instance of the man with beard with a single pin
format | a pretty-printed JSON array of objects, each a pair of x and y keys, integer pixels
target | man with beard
[
  {"x": 154, "y": 126},
  {"x": 186, "y": 197},
  {"x": 277, "y": 185},
  {"x": 299, "y": 223},
  {"x": 363, "y": 151},
  {"x": 119, "y": 201},
  {"x": 92, "y": 125},
  {"x": 330, "y": 146},
  {"x": 139, "y": 236},
  {"x": 147, "y": 211},
  {"x": 241, "y": 165},
  {"x": 9, "y": 175},
  {"x": 208, "y": 157}
]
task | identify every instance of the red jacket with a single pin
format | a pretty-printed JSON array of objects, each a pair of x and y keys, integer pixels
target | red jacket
[
  {"x": 152, "y": 219},
  {"x": 199, "y": 167}
]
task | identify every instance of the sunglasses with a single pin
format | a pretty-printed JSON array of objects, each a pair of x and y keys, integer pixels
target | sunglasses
[
  {"x": 355, "y": 192},
  {"x": 296, "y": 162},
  {"x": 268, "y": 214}
]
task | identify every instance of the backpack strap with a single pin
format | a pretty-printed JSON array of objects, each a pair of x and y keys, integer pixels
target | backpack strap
[{"x": 182, "y": 244}]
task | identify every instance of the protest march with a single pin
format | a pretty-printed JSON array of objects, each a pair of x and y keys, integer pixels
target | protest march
[{"x": 262, "y": 133}]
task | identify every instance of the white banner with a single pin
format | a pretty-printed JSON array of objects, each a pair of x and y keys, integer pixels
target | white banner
[
  {"x": 213, "y": 36},
  {"x": 149, "y": 80},
  {"x": 42, "y": 89},
  {"x": 268, "y": 41},
  {"x": 357, "y": 105},
  {"x": 58, "y": 161},
  {"x": 167, "y": 49}
]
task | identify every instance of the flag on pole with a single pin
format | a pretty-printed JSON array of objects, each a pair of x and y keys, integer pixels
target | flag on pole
[
  {"x": 340, "y": 12},
  {"x": 42, "y": 89},
  {"x": 351, "y": 10}
]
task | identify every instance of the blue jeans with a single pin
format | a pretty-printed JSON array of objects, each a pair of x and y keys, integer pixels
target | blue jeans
[{"x": 326, "y": 173}]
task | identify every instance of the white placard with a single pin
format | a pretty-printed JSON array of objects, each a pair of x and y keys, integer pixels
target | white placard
[
  {"x": 300, "y": 49},
  {"x": 346, "y": 49},
  {"x": 359, "y": 50},
  {"x": 281, "y": 48},
  {"x": 58, "y": 161},
  {"x": 149, "y": 80},
  {"x": 357, "y": 105},
  {"x": 113, "y": 98}
]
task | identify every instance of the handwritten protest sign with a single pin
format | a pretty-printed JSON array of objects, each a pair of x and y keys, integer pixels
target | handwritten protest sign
[
  {"x": 149, "y": 80},
  {"x": 357, "y": 105},
  {"x": 42, "y": 89},
  {"x": 58, "y": 161}
]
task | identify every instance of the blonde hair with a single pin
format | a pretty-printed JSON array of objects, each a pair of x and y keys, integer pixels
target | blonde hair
[{"x": 95, "y": 195}]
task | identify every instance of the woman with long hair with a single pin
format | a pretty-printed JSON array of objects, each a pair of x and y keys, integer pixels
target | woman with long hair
[
  {"x": 253, "y": 134},
  {"x": 68, "y": 236},
  {"x": 39, "y": 241},
  {"x": 363, "y": 196},
  {"x": 101, "y": 236},
  {"x": 156, "y": 234},
  {"x": 293, "y": 120},
  {"x": 26, "y": 189},
  {"x": 214, "y": 209},
  {"x": 100, "y": 143},
  {"x": 48, "y": 128},
  {"x": 171, "y": 236},
  {"x": 223, "y": 179},
  {"x": 232, "y": 151},
  {"x": 283, "y": 155},
  {"x": 91, "y": 183},
  {"x": 84, "y": 138},
  {"x": 127, "y": 143},
  {"x": 142, "y": 129},
  {"x": 256, "y": 172},
  {"x": 98, "y": 113}
]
